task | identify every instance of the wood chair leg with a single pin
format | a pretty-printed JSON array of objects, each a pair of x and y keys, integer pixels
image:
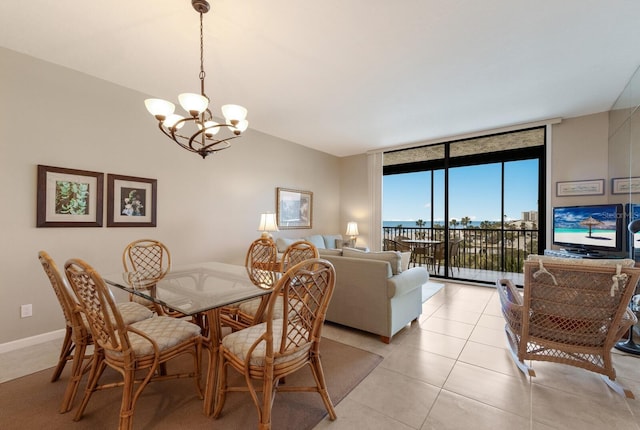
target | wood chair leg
[
  {"x": 74, "y": 381},
  {"x": 65, "y": 353}
]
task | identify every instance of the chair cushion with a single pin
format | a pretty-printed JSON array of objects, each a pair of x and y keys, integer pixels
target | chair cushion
[
  {"x": 239, "y": 342},
  {"x": 133, "y": 312},
  {"x": 250, "y": 307},
  {"x": 624, "y": 262},
  {"x": 167, "y": 332}
]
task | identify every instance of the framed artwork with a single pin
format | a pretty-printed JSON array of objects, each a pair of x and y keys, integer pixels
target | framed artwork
[
  {"x": 625, "y": 185},
  {"x": 591, "y": 187},
  {"x": 294, "y": 208},
  {"x": 69, "y": 197},
  {"x": 131, "y": 201}
]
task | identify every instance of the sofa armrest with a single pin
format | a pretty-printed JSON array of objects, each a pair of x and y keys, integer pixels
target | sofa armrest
[{"x": 407, "y": 281}]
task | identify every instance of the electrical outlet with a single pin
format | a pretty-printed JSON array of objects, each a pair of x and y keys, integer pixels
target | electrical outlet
[{"x": 26, "y": 311}]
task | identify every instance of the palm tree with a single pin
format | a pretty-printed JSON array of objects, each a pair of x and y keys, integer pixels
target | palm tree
[
  {"x": 421, "y": 234},
  {"x": 465, "y": 221}
]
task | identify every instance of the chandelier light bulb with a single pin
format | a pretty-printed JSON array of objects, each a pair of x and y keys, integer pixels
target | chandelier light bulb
[
  {"x": 193, "y": 103},
  {"x": 242, "y": 125},
  {"x": 211, "y": 128},
  {"x": 234, "y": 113},
  {"x": 173, "y": 120},
  {"x": 159, "y": 108}
]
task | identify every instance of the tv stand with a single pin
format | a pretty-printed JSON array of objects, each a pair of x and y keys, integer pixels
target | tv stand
[{"x": 576, "y": 253}]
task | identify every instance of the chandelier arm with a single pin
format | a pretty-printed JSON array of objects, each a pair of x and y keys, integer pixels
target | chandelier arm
[
  {"x": 171, "y": 135},
  {"x": 209, "y": 147}
]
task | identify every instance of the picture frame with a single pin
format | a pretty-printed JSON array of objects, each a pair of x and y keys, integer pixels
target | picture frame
[
  {"x": 625, "y": 185},
  {"x": 69, "y": 197},
  {"x": 590, "y": 187},
  {"x": 294, "y": 208},
  {"x": 131, "y": 201}
]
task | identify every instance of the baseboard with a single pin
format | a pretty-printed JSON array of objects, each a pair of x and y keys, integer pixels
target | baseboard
[{"x": 31, "y": 341}]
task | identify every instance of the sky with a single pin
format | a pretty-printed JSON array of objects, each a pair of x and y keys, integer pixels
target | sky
[{"x": 474, "y": 192}]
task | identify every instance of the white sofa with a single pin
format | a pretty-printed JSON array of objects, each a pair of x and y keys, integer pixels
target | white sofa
[{"x": 375, "y": 291}]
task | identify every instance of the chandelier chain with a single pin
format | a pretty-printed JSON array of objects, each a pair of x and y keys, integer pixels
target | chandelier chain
[{"x": 202, "y": 73}]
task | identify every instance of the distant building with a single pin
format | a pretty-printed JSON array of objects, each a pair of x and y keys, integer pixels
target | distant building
[{"x": 530, "y": 216}]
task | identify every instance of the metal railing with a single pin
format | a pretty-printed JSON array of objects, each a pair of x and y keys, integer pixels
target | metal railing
[{"x": 496, "y": 249}]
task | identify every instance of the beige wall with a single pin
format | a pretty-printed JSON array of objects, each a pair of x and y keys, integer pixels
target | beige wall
[
  {"x": 579, "y": 151},
  {"x": 207, "y": 209}
]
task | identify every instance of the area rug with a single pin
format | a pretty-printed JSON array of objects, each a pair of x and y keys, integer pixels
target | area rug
[
  {"x": 32, "y": 402},
  {"x": 430, "y": 289}
]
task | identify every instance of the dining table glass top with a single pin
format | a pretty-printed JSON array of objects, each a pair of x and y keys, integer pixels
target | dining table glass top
[{"x": 194, "y": 288}]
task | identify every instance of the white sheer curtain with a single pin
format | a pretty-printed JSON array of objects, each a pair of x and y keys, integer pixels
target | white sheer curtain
[{"x": 374, "y": 161}]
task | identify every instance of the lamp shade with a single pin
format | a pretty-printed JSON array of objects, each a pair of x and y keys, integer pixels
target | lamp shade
[
  {"x": 352, "y": 229},
  {"x": 268, "y": 223}
]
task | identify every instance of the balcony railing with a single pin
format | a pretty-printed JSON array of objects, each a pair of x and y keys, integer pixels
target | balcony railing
[{"x": 493, "y": 249}]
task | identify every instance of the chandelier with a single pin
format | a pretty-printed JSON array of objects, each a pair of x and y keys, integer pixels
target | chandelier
[{"x": 200, "y": 130}]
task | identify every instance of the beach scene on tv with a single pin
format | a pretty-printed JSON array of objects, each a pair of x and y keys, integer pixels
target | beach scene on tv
[{"x": 586, "y": 225}]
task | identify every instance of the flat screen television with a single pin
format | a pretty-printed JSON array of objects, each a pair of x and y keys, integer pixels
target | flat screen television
[{"x": 589, "y": 229}]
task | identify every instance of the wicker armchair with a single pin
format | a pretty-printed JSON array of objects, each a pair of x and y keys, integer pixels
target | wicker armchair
[
  {"x": 572, "y": 312},
  {"x": 267, "y": 352},
  {"x": 78, "y": 336},
  {"x": 137, "y": 351}
]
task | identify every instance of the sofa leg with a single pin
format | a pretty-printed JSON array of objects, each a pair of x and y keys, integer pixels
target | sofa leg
[{"x": 385, "y": 339}]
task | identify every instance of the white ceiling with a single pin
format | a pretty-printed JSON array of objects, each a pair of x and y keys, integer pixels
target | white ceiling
[{"x": 348, "y": 76}]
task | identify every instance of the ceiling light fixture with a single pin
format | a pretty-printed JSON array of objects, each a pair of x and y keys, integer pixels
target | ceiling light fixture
[{"x": 200, "y": 123}]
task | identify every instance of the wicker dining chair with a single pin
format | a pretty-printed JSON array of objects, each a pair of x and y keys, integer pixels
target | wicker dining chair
[
  {"x": 77, "y": 334},
  {"x": 297, "y": 252},
  {"x": 267, "y": 352},
  {"x": 252, "y": 311},
  {"x": 570, "y": 313},
  {"x": 150, "y": 259},
  {"x": 261, "y": 262},
  {"x": 136, "y": 351}
]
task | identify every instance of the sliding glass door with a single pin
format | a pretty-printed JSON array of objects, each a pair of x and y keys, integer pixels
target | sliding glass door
[{"x": 476, "y": 210}]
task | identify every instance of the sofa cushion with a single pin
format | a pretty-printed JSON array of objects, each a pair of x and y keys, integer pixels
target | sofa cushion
[
  {"x": 405, "y": 259},
  {"x": 330, "y": 240},
  {"x": 394, "y": 258},
  {"x": 331, "y": 251},
  {"x": 317, "y": 240},
  {"x": 282, "y": 243}
]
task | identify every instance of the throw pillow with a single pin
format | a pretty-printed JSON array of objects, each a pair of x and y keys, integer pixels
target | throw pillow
[
  {"x": 331, "y": 240},
  {"x": 317, "y": 240},
  {"x": 392, "y": 257},
  {"x": 340, "y": 243},
  {"x": 282, "y": 243}
]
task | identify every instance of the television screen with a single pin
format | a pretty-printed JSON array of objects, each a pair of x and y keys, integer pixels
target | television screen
[{"x": 588, "y": 228}]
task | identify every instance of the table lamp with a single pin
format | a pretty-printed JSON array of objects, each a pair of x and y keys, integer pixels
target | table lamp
[
  {"x": 268, "y": 223},
  {"x": 352, "y": 231},
  {"x": 629, "y": 345}
]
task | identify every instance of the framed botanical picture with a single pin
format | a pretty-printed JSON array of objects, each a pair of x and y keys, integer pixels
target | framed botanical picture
[
  {"x": 294, "y": 208},
  {"x": 591, "y": 187},
  {"x": 625, "y": 185},
  {"x": 69, "y": 197},
  {"x": 131, "y": 201}
]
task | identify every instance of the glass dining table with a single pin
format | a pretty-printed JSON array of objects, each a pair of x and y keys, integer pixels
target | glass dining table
[{"x": 193, "y": 290}]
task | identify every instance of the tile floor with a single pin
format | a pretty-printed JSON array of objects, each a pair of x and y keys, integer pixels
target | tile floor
[{"x": 452, "y": 370}]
